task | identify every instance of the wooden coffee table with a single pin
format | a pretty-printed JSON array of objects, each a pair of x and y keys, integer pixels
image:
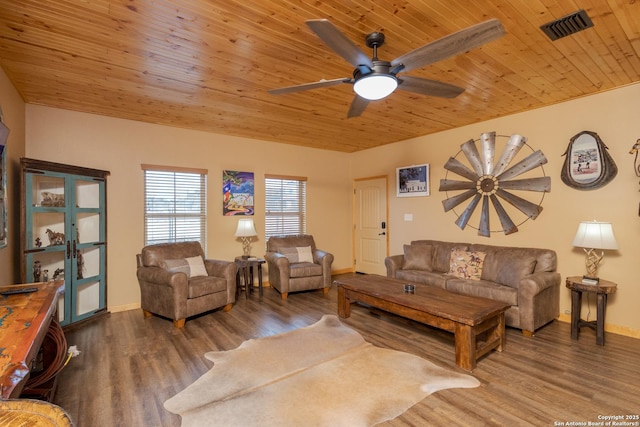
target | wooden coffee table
[{"x": 477, "y": 323}]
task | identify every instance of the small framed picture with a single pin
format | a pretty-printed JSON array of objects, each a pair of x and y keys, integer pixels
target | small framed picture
[{"x": 412, "y": 181}]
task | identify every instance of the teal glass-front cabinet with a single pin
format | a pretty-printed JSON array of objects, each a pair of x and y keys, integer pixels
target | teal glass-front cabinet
[{"x": 64, "y": 234}]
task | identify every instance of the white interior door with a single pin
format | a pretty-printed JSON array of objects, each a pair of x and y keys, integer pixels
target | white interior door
[{"x": 370, "y": 225}]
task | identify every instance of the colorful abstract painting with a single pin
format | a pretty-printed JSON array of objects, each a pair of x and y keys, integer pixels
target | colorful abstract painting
[{"x": 237, "y": 193}]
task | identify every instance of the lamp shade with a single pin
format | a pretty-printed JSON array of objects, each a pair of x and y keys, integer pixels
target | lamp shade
[
  {"x": 375, "y": 86},
  {"x": 246, "y": 228},
  {"x": 595, "y": 235}
]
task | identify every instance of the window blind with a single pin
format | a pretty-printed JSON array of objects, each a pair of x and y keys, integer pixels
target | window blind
[
  {"x": 285, "y": 205},
  {"x": 175, "y": 206}
]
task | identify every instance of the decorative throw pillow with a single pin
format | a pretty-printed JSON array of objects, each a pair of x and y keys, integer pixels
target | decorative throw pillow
[
  {"x": 418, "y": 257},
  {"x": 196, "y": 265},
  {"x": 301, "y": 254},
  {"x": 466, "y": 264},
  {"x": 192, "y": 267}
]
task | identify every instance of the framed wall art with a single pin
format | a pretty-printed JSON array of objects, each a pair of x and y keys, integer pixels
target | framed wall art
[
  {"x": 412, "y": 181},
  {"x": 587, "y": 164},
  {"x": 237, "y": 193}
]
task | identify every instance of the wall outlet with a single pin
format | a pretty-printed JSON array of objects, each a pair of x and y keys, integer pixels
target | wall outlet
[
  {"x": 408, "y": 217},
  {"x": 567, "y": 312}
]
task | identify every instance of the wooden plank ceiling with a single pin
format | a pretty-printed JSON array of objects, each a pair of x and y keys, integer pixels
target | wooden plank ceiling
[{"x": 207, "y": 64}]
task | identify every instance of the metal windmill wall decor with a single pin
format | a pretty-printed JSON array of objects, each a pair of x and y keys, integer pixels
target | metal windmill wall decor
[{"x": 492, "y": 181}]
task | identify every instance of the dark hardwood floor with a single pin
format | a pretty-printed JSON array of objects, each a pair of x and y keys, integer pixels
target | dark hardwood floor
[{"x": 130, "y": 365}]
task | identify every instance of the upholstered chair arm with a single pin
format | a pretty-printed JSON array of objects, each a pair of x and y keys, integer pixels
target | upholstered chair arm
[
  {"x": 220, "y": 268},
  {"x": 325, "y": 259},
  {"x": 160, "y": 276},
  {"x": 393, "y": 264},
  {"x": 279, "y": 270}
]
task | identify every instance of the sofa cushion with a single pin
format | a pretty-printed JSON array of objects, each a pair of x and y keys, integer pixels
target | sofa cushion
[
  {"x": 298, "y": 254},
  {"x": 466, "y": 264},
  {"x": 442, "y": 255},
  {"x": 484, "y": 289},
  {"x": 422, "y": 276},
  {"x": 192, "y": 267},
  {"x": 418, "y": 257},
  {"x": 508, "y": 266},
  {"x": 201, "y": 285},
  {"x": 305, "y": 269}
]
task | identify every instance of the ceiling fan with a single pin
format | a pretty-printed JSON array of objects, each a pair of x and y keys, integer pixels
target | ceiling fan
[{"x": 375, "y": 79}]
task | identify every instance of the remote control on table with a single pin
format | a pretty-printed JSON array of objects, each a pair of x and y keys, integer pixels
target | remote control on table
[{"x": 18, "y": 291}]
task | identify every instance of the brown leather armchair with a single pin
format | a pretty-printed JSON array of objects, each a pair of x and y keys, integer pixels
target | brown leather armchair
[
  {"x": 177, "y": 282},
  {"x": 295, "y": 264}
]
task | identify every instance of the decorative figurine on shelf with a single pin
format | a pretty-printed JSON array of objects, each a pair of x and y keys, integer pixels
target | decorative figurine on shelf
[
  {"x": 45, "y": 276},
  {"x": 80, "y": 259},
  {"x": 52, "y": 200},
  {"x": 36, "y": 270},
  {"x": 38, "y": 242},
  {"x": 58, "y": 273},
  {"x": 55, "y": 238}
]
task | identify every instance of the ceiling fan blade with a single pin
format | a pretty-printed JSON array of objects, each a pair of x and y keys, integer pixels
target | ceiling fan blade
[
  {"x": 483, "y": 229},
  {"x": 454, "y": 201},
  {"x": 307, "y": 86},
  {"x": 529, "y": 209},
  {"x": 463, "y": 219},
  {"x": 429, "y": 87},
  {"x": 471, "y": 152},
  {"x": 450, "y": 184},
  {"x": 457, "y": 167},
  {"x": 515, "y": 143},
  {"x": 541, "y": 184},
  {"x": 451, "y": 45},
  {"x": 358, "y": 105},
  {"x": 507, "y": 225},
  {"x": 531, "y": 162},
  {"x": 488, "y": 141},
  {"x": 336, "y": 40}
]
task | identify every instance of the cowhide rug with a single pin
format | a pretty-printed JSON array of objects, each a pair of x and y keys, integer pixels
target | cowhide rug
[{"x": 325, "y": 374}]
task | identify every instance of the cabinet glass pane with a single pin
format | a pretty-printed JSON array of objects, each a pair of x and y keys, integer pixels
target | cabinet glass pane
[
  {"x": 88, "y": 260},
  {"x": 47, "y": 230},
  {"x": 88, "y": 225},
  {"x": 87, "y": 194},
  {"x": 61, "y": 317},
  {"x": 48, "y": 191},
  {"x": 87, "y": 298}
]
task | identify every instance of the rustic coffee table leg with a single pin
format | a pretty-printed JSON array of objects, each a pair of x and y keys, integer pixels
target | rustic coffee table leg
[
  {"x": 465, "y": 347},
  {"x": 344, "y": 305}
]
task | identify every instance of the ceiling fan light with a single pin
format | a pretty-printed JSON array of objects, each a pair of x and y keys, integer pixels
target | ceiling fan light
[{"x": 375, "y": 86}]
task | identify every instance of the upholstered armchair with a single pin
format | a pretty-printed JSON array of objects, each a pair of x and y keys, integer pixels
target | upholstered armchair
[
  {"x": 295, "y": 264},
  {"x": 177, "y": 282}
]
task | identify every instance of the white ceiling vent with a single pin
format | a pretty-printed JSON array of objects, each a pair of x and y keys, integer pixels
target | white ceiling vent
[{"x": 567, "y": 25}]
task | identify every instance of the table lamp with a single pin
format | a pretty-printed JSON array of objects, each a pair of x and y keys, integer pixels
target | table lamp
[
  {"x": 592, "y": 235},
  {"x": 245, "y": 232}
]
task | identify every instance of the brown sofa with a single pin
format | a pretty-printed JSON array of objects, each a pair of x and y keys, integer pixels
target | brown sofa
[
  {"x": 167, "y": 289},
  {"x": 289, "y": 271},
  {"x": 526, "y": 278}
]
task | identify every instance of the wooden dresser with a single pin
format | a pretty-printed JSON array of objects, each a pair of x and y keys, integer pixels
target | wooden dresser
[{"x": 24, "y": 321}]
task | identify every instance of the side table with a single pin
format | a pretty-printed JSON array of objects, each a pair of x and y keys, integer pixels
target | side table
[
  {"x": 602, "y": 289},
  {"x": 246, "y": 270}
]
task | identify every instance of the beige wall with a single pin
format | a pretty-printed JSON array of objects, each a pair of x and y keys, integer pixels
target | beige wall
[
  {"x": 13, "y": 112},
  {"x": 121, "y": 146},
  {"x": 614, "y": 116}
]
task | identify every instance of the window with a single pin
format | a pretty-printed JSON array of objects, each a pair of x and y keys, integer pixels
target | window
[
  {"x": 175, "y": 205},
  {"x": 285, "y": 205}
]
